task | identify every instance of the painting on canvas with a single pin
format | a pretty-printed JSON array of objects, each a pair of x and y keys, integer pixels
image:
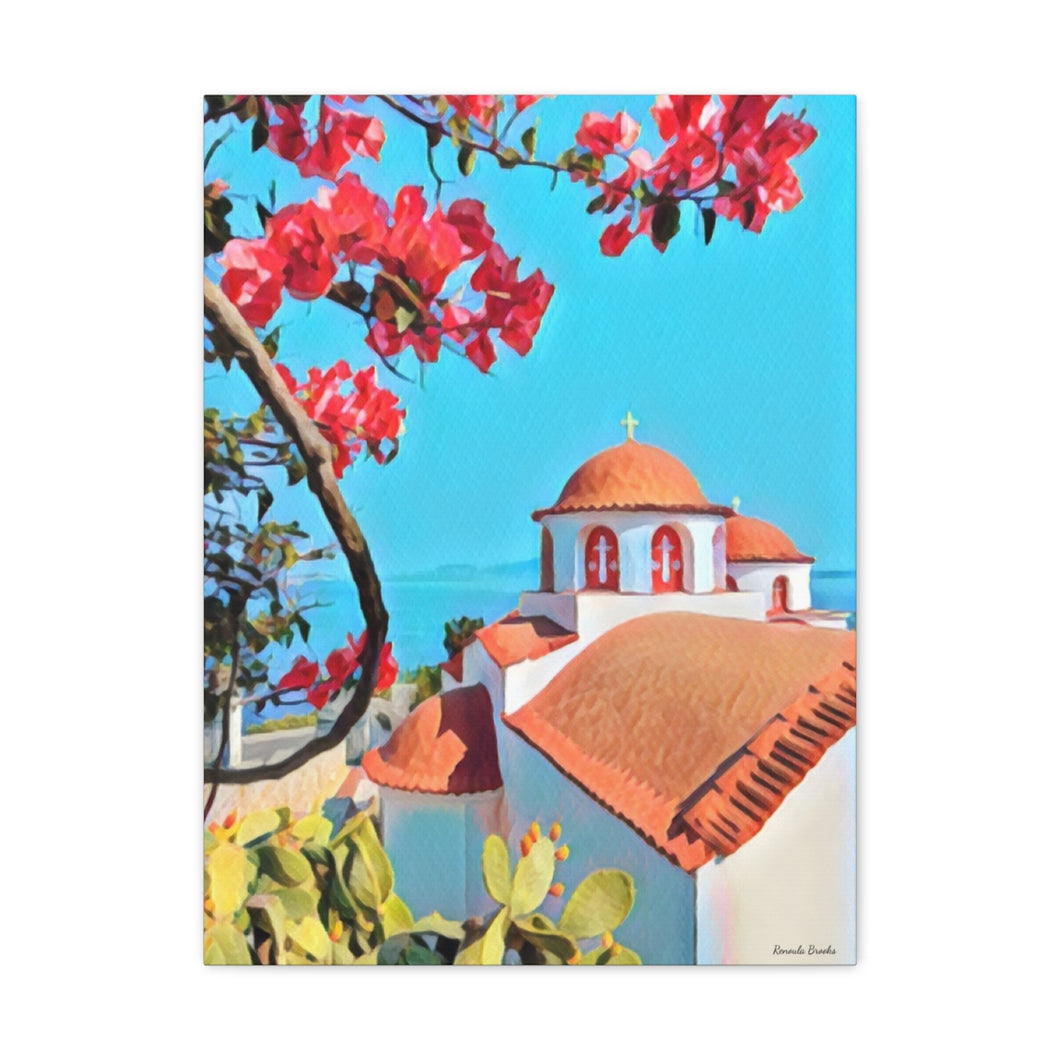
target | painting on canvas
[{"x": 529, "y": 519}]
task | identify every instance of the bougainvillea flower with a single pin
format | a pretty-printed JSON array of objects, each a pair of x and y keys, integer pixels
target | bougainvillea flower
[
  {"x": 784, "y": 138},
  {"x": 357, "y": 218},
  {"x": 601, "y": 135},
  {"x": 617, "y": 237},
  {"x": 761, "y": 189},
  {"x": 513, "y": 305},
  {"x": 288, "y": 138},
  {"x": 480, "y": 351},
  {"x": 678, "y": 114},
  {"x": 344, "y": 662},
  {"x": 350, "y": 410},
  {"x": 743, "y": 121},
  {"x": 522, "y": 102},
  {"x": 253, "y": 279},
  {"x": 481, "y": 109},
  {"x": 616, "y": 191},
  {"x": 303, "y": 235},
  {"x": 468, "y": 217},
  {"x": 301, "y": 675}
]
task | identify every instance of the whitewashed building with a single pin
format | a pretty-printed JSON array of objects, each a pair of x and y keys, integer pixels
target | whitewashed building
[{"x": 671, "y": 697}]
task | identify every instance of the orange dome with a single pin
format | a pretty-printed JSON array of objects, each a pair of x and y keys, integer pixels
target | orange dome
[
  {"x": 631, "y": 477},
  {"x": 748, "y": 540}
]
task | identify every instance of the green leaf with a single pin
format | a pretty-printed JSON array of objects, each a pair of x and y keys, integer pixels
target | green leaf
[
  {"x": 224, "y": 943},
  {"x": 596, "y": 204},
  {"x": 725, "y": 187},
  {"x": 542, "y": 933},
  {"x": 348, "y": 293},
  {"x": 496, "y": 869},
  {"x": 342, "y": 899},
  {"x": 230, "y": 873},
  {"x": 309, "y": 936},
  {"x": 271, "y": 342},
  {"x": 599, "y": 903},
  {"x": 370, "y": 875},
  {"x": 265, "y": 500},
  {"x": 416, "y": 954},
  {"x": 466, "y": 160},
  {"x": 508, "y": 158},
  {"x": 268, "y": 913},
  {"x": 259, "y": 135},
  {"x": 710, "y": 219},
  {"x": 256, "y": 826},
  {"x": 295, "y": 471},
  {"x": 263, "y": 214},
  {"x": 434, "y": 135},
  {"x": 489, "y": 947},
  {"x": 620, "y": 955},
  {"x": 404, "y": 318},
  {"x": 529, "y": 139},
  {"x": 533, "y": 877},
  {"x": 297, "y": 902},
  {"x": 436, "y": 924},
  {"x": 314, "y": 827},
  {"x": 284, "y": 866},
  {"x": 665, "y": 221},
  {"x": 396, "y": 916}
]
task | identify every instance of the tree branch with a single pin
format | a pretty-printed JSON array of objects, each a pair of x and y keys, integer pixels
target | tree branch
[{"x": 315, "y": 452}]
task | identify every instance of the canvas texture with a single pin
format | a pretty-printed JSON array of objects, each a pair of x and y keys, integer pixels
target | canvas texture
[{"x": 529, "y": 530}]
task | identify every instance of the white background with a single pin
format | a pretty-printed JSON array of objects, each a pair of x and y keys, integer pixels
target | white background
[{"x": 957, "y": 285}]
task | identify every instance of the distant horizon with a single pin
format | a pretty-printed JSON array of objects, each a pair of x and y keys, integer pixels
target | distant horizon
[{"x": 451, "y": 572}]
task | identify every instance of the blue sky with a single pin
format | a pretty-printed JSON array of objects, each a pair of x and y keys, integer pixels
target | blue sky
[{"x": 739, "y": 358}]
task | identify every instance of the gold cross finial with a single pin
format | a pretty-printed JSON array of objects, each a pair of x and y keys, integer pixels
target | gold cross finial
[{"x": 629, "y": 423}]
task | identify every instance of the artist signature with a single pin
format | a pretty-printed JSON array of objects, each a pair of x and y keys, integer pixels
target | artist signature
[{"x": 803, "y": 951}]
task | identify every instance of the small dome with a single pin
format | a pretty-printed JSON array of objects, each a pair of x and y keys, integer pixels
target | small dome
[
  {"x": 631, "y": 477},
  {"x": 749, "y": 540}
]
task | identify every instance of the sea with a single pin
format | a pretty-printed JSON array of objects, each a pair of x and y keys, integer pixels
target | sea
[{"x": 421, "y": 604}]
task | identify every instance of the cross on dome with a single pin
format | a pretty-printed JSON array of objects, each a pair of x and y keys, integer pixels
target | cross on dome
[{"x": 629, "y": 423}]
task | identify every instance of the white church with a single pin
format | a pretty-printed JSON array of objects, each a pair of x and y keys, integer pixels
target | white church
[{"x": 670, "y": 695}]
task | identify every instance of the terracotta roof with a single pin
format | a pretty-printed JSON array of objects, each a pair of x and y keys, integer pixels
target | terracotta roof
[
  {"x": 651, "y": 718},
  {"x": 515, "y": 638},
  {"x": 734, "y": 804},
  {"x": 632, "y": 477},
  {"x": 454, "y": 667},
  {"x": 446, "y": 746},
  {"x": 748, "y": 540}
]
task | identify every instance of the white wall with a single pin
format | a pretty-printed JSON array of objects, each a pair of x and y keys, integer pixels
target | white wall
[
  {"x": 793, "y": 884},
  {"x": 758, "y": 577},
  {"x": 561, "y": 608},
  {"x": 479, "y": 668},
  {"x": 435, "y": 843},
  {"x": 212, "y": 738},
  {"x": 661, "y": 926},
  {"x": 634, "y": 531}
]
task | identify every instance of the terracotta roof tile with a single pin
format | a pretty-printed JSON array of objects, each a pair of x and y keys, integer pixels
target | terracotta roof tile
[
  {"x": 446, "y": 746},
  {"x": 516, "y": 638},
  {"x": 737, "y": 802},
  {"x": 631, "y": 477},
  {"x": 657, "y": 711},
  {"x": 748, "y": 540}
]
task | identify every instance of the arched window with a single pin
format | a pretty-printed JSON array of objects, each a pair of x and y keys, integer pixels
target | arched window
[
  {"x": 601, "y": 559},
  {"x": 548, "y": 570},
  {"x": 780, "y": 594},
  {"x": 667, "y": 566}
]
